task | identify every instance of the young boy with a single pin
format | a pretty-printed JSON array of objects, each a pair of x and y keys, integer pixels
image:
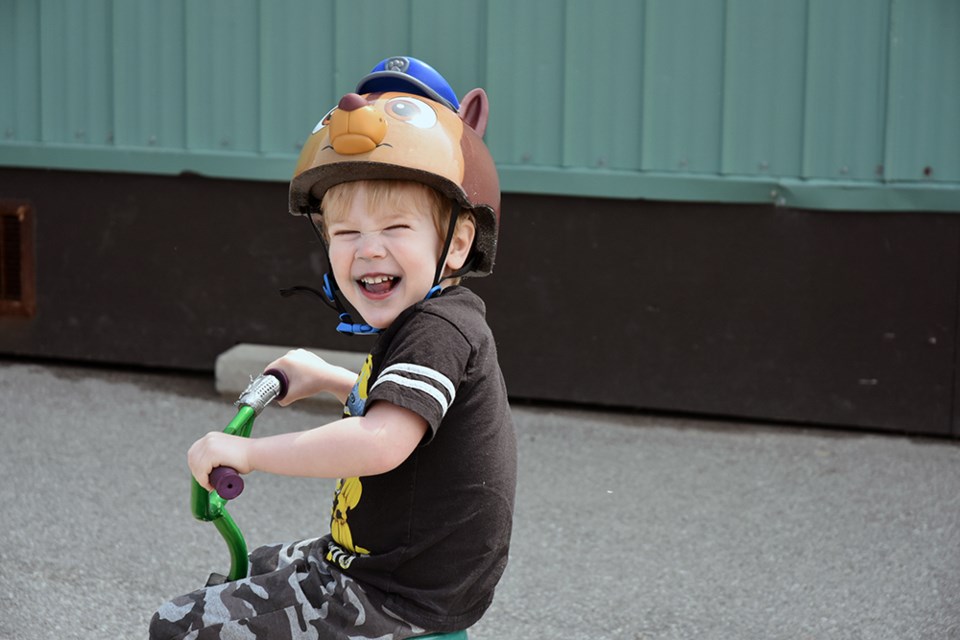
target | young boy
[{"x": 425, "y": 452}]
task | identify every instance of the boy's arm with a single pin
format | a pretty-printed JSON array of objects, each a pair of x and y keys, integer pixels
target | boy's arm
[
  {"x": 357, "y": 446},
  {"x": 308, "y": 374}
]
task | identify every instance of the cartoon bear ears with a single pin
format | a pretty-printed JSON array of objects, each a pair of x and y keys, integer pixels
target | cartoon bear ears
[{"x": 475, "y": 110}]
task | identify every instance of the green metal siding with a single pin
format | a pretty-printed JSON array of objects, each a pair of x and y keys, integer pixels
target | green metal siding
[
  {"x": 811, "y": 103},
  {"x": 597, "y": 43},
  {"x": 844, "y": 107},
  {"x": 19, "y": 71},
  {"x": 76, "y": 73},
  {"x": 149, "y": 64},
  {"x": 682, "y": 86},
  {"x": 526, "y": 80},
  {"x": 923, "y": 124}
]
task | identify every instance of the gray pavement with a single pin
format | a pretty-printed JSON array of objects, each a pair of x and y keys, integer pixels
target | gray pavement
[{"x": 627, "y": 526}]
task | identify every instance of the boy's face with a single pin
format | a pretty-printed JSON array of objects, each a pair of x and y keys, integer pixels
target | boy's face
[{"x": 384, "y": 255}]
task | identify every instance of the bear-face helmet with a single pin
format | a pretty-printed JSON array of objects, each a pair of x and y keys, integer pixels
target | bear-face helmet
[{"x": 404, "y": 122}]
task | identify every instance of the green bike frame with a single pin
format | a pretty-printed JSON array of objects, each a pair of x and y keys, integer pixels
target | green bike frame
[{"x": 209, "y": 506}]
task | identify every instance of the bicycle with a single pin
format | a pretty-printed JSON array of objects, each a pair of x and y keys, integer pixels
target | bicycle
[{"x": 211, "y": 506}]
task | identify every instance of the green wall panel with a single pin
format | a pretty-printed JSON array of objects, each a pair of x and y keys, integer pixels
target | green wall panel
[
  {"x": 924, "y": 114},
  {"x": 76, "y": 78},
  {"x": 763, "y": 87},
  {"x": 808, "y": 103},
  {"x": 525, "y": 73},
  {"x": 602, "y": 102},
  {"x": 149, "y": 65},
  {"x": 20, "y": 67},
  {"x": 682, "y": 86},
  {"x": 222, "y": 76},
  {"x": 844, "y": 129}
]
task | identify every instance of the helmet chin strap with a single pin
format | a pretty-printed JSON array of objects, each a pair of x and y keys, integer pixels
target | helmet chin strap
[
  {"x": 438, "y": 274},
  {"x": 331, "y": 294},
  {"x": 331, "y": 290}
]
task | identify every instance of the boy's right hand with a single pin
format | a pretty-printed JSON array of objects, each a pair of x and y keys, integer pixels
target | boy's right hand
[
  {"x": 308, "y": 374},
  {"x": 217, "y": 449}
]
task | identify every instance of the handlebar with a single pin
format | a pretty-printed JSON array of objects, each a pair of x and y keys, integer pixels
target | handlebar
[
  {"x": 262, "y": 390},
  {"x": 271, "y": 384},
  {"x": 226, "y": 482},
  {"x": 210, "y": 506}
]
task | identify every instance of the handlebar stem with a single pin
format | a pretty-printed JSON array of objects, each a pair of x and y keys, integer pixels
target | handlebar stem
[{"x": 209, "y": 506}]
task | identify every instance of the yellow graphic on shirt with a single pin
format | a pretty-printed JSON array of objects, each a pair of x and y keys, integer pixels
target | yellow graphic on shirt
[
  {"x": 349, "y": 490},
  {"x": 357, "y": 399},
  {"x": 347, "y": 498}
]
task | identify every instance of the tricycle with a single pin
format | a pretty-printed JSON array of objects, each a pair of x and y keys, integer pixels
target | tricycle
[{"x": 211, "y": 506}]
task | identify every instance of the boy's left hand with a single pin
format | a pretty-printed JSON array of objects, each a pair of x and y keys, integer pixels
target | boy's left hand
[
  {"x": 217, "y": 449},
  {"x": 308, "y": 374}
]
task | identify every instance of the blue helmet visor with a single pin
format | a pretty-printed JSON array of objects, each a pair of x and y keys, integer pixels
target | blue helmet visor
[{"x": 409, "y": 75}]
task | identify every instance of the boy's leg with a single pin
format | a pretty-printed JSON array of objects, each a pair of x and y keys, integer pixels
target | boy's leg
[{"x": 292, "y": 593}]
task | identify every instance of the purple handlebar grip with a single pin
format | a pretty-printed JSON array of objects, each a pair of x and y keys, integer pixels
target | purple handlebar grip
[
  {"x": 282, "y": 378},
  {"x": 227, "y": 482}
]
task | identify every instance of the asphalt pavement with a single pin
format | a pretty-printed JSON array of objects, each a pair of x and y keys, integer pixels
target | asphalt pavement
[{"x": 627, "y": 525}]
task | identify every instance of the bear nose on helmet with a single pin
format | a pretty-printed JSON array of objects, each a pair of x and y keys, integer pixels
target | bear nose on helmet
[
  {"x": 355, "y": 126},
  {"x": 351, "y": 102}
]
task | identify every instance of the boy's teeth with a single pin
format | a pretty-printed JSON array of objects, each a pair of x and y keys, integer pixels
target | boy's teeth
[{"x": 376, "y": 280}]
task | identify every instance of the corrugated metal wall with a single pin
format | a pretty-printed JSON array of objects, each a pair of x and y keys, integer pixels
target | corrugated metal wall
[{"x": 812, "y": 103}]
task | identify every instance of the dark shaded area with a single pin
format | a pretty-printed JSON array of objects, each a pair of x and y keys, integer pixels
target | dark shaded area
[{"x": 831, "y": 318}]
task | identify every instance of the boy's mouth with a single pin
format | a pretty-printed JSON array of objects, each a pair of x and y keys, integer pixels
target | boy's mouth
[{"x": 378, "y": 284}]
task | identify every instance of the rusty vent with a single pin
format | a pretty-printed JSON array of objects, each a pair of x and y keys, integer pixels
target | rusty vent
[{"x": 17, "y": 289}]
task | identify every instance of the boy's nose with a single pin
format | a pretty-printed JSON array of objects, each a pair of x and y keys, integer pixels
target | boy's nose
[{"x": 370, "y": 245}]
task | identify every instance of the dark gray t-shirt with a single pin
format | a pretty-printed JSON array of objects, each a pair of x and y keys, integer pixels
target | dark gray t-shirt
[{"x": 433, "y": 534}]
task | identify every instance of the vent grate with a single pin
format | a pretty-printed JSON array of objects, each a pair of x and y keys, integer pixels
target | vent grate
[
  {"x": 11, "y": 269},
  {"x": 17, "y": 292}
]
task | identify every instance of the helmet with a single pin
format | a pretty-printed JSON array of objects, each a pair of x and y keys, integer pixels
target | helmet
[{"x": 407, "y": 125}]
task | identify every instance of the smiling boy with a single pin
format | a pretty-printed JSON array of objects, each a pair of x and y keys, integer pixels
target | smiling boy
[
  {"x": 425, "y": 453},
  {"x": 384, "y": 243}
]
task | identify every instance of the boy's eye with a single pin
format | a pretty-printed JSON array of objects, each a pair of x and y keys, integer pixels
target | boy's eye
[{"x": 412, "y": 111}]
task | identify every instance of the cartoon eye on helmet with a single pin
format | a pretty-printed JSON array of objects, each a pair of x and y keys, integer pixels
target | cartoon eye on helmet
[{"x": 404, "y": 122}]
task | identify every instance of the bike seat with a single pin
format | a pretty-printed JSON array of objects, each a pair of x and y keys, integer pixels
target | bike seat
[{"x": 454, "y": 635}]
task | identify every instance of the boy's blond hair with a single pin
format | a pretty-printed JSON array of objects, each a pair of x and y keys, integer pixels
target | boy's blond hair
[{"x": 338, "y": 198}]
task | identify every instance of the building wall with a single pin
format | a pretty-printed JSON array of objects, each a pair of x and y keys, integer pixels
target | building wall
[
  {"x": 739, "y": 208},
  {"x": 748, "y": 311},
  {"x": 803, "y": 103}
]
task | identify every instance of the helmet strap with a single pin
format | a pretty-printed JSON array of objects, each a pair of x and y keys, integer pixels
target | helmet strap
[
  {"x": 468, "y": 265},
  {"x": 451, "y": 229},
  {"x": 331, "y": 290},
  {"x": 331, "y": 294}
]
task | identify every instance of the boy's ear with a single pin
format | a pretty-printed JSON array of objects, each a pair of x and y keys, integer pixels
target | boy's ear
[
  {"x": 461, "y": 243},
  {"x": 475, "y": 110}
]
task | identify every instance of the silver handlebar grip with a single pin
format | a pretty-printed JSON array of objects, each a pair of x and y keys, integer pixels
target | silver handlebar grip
[{"x": 261, "y": 391}]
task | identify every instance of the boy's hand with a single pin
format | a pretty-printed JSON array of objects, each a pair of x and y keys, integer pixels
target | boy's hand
[
  {"x": 217, "y": 449},
  {"x": 308, "y": 374}
]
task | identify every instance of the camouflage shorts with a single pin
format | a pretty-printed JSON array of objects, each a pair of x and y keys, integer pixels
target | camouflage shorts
[{"x": 292, "y": 593}]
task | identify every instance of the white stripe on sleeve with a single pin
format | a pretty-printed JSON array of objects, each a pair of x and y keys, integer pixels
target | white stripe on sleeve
[
  {"x": 425, "y": 372},
  {"x": 419, "y": 385}
]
